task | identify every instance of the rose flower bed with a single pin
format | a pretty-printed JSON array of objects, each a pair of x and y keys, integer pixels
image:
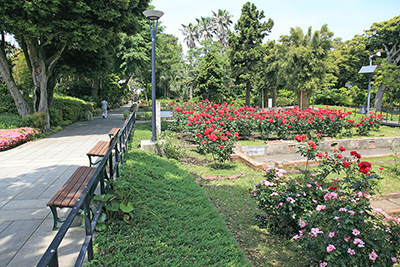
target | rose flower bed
[
  {"x": 13, "y": 137},
  {"x": 331, "y": 220},
  {"x": 215, "y": 128}
]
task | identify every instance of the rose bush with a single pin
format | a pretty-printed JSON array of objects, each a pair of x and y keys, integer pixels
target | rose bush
[
  {"x": 285, "y": 199},
  {"x": 281, "y": 124},
  {"x": 336, "y": 225},
  {"x": 196, "y": 118}
]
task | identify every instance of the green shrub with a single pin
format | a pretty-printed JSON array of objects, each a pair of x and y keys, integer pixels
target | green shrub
[
  {"x": 56, "y": 118},
  {"x": 88, "y": 116},
  {"x": 133, "y": 107},
  {"x": 72, "y": 109},
  {"x": 144, "y": 116},
  {"x": 7, "y": 105},
  {"x": 97, "y": 112},
  {"x": 169, "y": 144},
  {"x": 10, "y": 121},
  {"x": 283, "y": 101},
  {"x": 36, "y": 120}
]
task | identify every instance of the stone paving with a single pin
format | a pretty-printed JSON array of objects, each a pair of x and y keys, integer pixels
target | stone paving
[{"x": 30, "y": 175}]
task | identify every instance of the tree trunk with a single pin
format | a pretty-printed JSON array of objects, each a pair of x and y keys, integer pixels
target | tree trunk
[
  {"x": 262, "y": 98},
  {"x": 40, "y": 103},
  {"x": 145, "y": 88},
  {"x": 22, "y": 106},
  {"x": 51, "y": 84},
  {"x": 95, "y": 88},
  {"x": 42, "y": 67},
  {"x": 379, "y": 97},
  {"x": 248, "y": 88},
  {"x": 304, "y": 99}
]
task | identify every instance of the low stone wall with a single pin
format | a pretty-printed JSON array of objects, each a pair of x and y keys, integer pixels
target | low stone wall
[{"x": 288, "y": 147}]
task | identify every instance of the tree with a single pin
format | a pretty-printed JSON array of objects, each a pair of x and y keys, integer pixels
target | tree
[
  {"x": 44, "y": 29},
  {"x": 169, "y": 53},
  {"x": 190, "y": 33},
  {"x": 386, "y": 36},
  {"x": 204, "y": 28},
  {"x": 350, "y": 56},
  {"x": 133, "y": 55},
  {"x": 222, "y": 21},
  {"x": 6, "y": 74},
  {"x": 210, "y": 79},
  {"x": 305, "y": 61},
  {"x": 245, "y": 41},
  {"x": 272, "y": 70}
]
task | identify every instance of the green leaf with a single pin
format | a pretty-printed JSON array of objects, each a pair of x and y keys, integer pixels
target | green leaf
[
  {"x": 128, "y": 208},
  {"x": 104, "y": 197}
]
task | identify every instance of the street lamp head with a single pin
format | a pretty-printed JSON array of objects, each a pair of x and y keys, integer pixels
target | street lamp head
[
  {"x": 378, "y": 54},
  {"x": 153, "y": 14}
]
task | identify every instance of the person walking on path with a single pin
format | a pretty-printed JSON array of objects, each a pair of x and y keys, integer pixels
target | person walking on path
[{"x": 104, "y": 108}]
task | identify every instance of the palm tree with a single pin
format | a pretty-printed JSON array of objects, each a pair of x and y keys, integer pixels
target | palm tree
[
  {"x": 221, "y": 23},
  {"x": 204, "y": 29},
  {"x": 190, "y": 33}
]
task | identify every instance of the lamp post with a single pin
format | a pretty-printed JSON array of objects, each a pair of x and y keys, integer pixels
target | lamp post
[
  {"x": 369, "y": 69},
  {"x": 153, "y": 16},
  {"x": 369, "y": 79}
]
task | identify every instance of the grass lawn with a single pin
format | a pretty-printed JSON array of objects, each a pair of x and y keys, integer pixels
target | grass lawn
[{"x": 181, "y": 222}]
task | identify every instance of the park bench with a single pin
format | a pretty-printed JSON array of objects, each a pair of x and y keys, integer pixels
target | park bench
[
  {"x": 100, "y": 149},
  {"x": 70, "y": 192},
  {"x": 114, "y": 131}
]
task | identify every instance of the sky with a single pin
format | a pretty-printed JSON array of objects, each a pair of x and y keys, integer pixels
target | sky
[{"x": 345, "y": 18}]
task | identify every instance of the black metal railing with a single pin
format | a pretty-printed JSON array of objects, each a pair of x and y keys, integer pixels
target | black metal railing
[
  {"x": 390, "y": 113},
  {"x": 111, "y": 160}
]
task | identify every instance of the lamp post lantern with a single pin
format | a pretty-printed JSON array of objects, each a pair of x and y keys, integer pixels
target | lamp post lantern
[{"x": 153, "y": 16}]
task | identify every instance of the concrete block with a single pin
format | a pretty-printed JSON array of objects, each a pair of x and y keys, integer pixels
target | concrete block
[{"x": 151, "y": 147}]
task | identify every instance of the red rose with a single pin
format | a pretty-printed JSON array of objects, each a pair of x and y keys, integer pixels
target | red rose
[
  {"x": 320, "y": 155},
  {"x": 332, "y": 187},
  {"x": 339, "y": 156},
  {"x": 364, "y": 167},
  {"x": 341, "y": 148},
  {"x": 355, "y": 154},
  {"x": 346, "y": 164},
  {"x": 221, "y": 146},
  {"x": 314, "y": 147},
  {"x": 298, "y": 138}
]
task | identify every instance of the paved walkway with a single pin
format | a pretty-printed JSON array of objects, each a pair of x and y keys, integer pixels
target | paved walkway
[{"x": 30, "y": 175}]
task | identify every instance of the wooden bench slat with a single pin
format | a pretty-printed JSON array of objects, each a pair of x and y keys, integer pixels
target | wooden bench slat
[
  {"x": 114, "y": 131},
  {"x": 72, "y": 189},
  {"x": 73, "y": 195},
  {"x": 100, "y": 149}
]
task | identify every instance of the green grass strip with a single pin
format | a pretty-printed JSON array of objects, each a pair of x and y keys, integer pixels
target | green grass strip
[{"x": 176, "y": 223}]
